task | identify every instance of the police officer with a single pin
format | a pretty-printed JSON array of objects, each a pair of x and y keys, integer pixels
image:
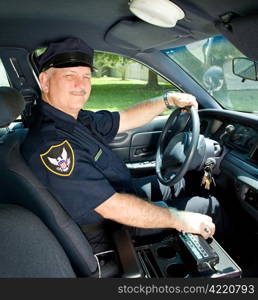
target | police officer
[{"x": 67, "y": 148}]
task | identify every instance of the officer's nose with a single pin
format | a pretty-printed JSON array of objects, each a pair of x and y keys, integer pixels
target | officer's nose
[{"x": 79, "y": 82}]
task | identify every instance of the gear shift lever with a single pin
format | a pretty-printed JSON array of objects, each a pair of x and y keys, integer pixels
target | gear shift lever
[{"x": 229, "y": 129}]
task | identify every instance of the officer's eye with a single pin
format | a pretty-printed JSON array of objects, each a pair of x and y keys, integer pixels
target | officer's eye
[{"x": 68, "y": 76}]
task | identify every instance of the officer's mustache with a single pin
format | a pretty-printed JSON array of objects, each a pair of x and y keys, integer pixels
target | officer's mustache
[{"x": 78, "y": 93}]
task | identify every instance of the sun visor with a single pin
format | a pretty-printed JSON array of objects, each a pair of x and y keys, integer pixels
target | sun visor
[
  {"x": 138, "y": 35},
  {"x": 242, "y": 31}
]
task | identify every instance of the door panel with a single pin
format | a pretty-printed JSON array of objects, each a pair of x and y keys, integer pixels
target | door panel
[
  {"x": 143, "y": 146},
  {"x": 139, "y": 144}
]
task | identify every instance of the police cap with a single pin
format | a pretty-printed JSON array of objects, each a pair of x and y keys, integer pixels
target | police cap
[{"x": 70, "y": 52}]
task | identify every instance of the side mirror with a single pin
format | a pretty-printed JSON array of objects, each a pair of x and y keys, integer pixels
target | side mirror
[{"x": 245, "y": 68}]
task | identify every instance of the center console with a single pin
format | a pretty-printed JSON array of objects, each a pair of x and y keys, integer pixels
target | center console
[{"x": 179, "y": 255}]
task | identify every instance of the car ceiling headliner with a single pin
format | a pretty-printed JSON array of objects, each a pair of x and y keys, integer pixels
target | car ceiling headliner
[{"x": 108, "y": 25}]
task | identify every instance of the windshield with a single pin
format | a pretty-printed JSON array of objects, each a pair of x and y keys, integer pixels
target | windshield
[{"x": 209, "y": 62}]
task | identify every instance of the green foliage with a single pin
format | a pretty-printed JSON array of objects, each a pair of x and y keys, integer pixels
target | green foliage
[
  {"x": 40, "y": 51},
  {"x": 220, "y": 52},
  {"x": 103, "y": 61}
]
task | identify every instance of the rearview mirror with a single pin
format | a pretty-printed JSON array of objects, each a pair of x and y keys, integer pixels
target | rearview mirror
[{"x": 245, "y": 68}]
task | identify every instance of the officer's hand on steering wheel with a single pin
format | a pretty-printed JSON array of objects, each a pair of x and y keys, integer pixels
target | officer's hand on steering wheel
[{"x": 182, "y": 99}]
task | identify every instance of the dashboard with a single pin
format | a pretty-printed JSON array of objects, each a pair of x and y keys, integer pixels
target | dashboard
[
  {"x": 242, "y": 137},
  {"x": 237, "y": 133}
]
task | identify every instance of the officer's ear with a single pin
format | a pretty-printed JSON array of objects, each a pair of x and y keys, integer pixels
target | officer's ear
[{"x": 43, "y": 80}]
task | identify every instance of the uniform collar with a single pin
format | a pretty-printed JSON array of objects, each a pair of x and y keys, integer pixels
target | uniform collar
[
  {"x": 54, "y": 113},
  {"x": 62, "y": 119},
  {"x": 84, "y": 117}
]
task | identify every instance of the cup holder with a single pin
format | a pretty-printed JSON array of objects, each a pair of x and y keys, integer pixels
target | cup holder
[
  {"x": 177, "y": 270},
  {"x": 166, "y": 252}
]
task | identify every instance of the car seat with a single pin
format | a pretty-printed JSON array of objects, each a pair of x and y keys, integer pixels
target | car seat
[
  {"x": 28, "y": 249},
  {"x": 18, "y": 185}
]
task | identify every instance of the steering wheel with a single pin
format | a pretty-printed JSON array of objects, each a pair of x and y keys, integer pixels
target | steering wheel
[{"x": 175, "y": 159}]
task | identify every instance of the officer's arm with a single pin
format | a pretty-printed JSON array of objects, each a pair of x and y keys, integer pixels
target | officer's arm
[
  {"x": 142, "y": 113},
  {"x": 133, "y": 211}
]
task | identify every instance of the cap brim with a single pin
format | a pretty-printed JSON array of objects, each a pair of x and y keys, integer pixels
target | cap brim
[{"x": 72, "y": 64}]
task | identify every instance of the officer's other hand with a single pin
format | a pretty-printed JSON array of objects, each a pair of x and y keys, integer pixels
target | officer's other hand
[
  {"x": 194, "y": 223},
  {"x": 182, "y": 99}
]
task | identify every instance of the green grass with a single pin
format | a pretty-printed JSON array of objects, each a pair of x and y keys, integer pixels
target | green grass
[
  {"x": 115, "y": 94},
  {"x": 244, "y": 100}
]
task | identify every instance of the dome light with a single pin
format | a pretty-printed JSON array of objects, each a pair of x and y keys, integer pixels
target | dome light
[{"x": 161, "y": 13}]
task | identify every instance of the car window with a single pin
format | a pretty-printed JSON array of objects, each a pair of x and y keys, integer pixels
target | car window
[
  {"x": 209, "y": 62},
  {"x": 120, "y": 82},
  {"x": 3, "y": 76}
]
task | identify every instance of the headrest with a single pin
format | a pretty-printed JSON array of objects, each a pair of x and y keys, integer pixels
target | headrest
[{"x": 11, "y": 105}]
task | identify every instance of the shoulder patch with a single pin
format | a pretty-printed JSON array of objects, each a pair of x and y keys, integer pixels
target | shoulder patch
[{"x": 59, "y": 159}]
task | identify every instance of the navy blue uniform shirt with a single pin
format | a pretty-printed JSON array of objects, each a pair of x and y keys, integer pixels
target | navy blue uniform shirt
[{"x": 73, "y": 160}]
